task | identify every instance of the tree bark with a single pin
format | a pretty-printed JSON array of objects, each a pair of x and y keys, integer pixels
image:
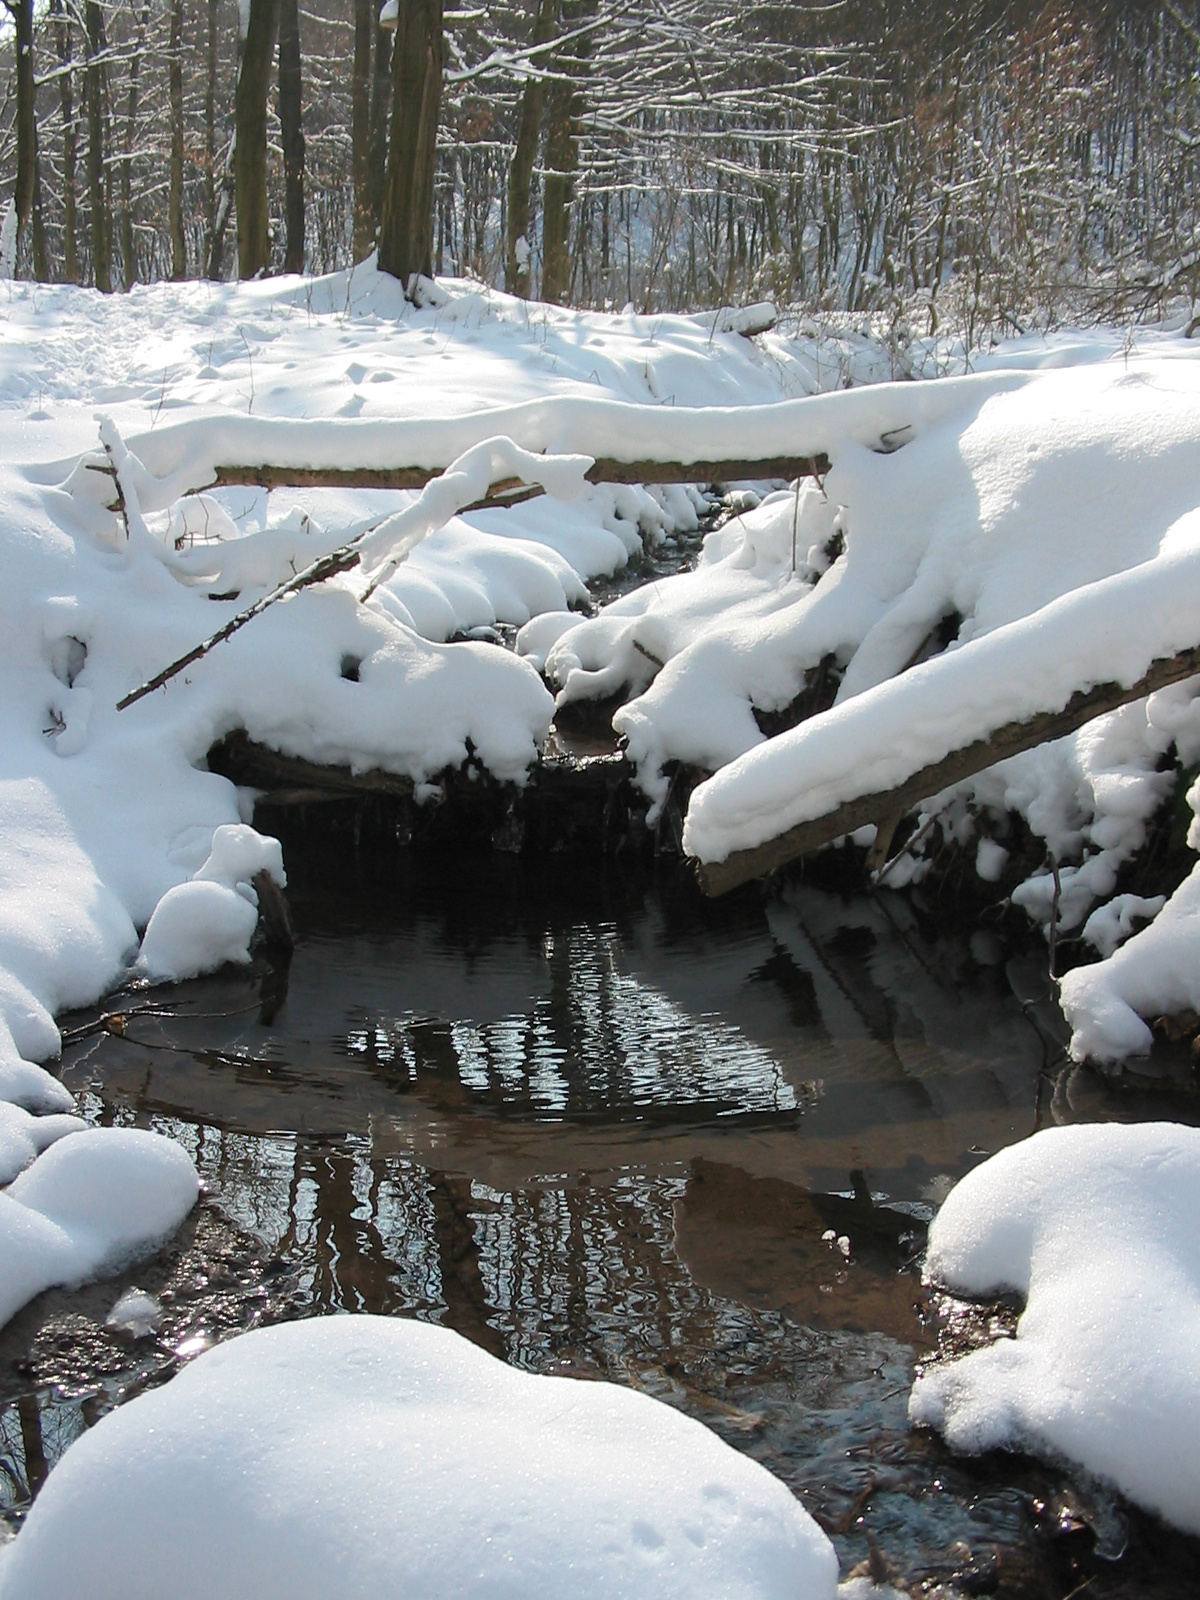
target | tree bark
[
  {"x": 516, "y": 272},
  {"x": 381, "y": 103},
  {"x": 562, "y": 156},
  {"x": 175, "y": 197},
  {"x": 292, "y": 133},
  {"x": 128, "y": 251},
  {"x": 22, "y": 15},
  {"x": 250, "y": 135},
  {"x": 406, "y": 235},
  {"x": 99, "y": 187},
  {"x": 66, "y": 95},
  {"x": 360, "y": 130},
  {"x": 210, "y": 128}
]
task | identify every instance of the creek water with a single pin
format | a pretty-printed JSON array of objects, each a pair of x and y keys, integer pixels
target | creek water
[{"x": 601, "y": 1126}]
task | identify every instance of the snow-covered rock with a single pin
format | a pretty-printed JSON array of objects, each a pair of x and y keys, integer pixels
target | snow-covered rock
[
  {"x": 87, "y": 1205},
  {"x": 362, "y": 1456},
  {"x": 1096, "y": 1228},
  {"x": 199, "y": 925}
]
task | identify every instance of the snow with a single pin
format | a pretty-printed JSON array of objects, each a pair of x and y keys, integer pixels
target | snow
[
  {"x": 199, "y": 925},
  {"x": 23, "y": 1136},
  {"x": 358, "y": 1455},
  {"x": 1095, "y": 1227},
  {"x": 88, "y": 1204}
]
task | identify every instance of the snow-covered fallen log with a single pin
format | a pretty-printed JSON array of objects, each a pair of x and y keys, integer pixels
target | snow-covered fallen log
[
  {"x": 1095, "y": 1227},
  {"x": 687, "y": 441},
  {"x": 875, "y": 757}
]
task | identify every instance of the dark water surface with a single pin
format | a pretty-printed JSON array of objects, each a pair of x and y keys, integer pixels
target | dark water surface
[{"x": 603, "y": 1127}]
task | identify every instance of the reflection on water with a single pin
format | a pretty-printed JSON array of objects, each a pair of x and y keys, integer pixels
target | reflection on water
[{"x": 598, "y": 1126}]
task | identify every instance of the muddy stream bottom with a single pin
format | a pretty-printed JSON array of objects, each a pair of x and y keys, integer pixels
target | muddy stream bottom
[{"x": 603, "y": 1127}]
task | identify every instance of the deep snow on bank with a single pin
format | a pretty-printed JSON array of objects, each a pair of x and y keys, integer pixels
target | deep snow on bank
[
  {"x": 363, "y": 1455},
  {"x": 1096, "y": 1228}
]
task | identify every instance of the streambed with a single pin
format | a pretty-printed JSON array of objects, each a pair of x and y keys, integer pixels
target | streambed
[{"x": 604, "y": 1127}]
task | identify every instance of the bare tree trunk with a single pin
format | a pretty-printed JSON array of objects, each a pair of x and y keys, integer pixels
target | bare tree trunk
[
  {"x": 128, "y": 252},
  {"x": 22, "y": 14},
  {"x": 381, "y": 101},
  {"x": 360, "y": 130},
  {"x": 99, "y": 184},
  {"x": 210, "y": 128},
  {"x": 250, "y": 146},
  {"x": 175, "y": 198},
  {"x": 66, "y": 95},
  {"x": 516, "y": 271},
  {"x": 292, "y": 132},
  {"x": 406, "y": 236},
  {"x": 562, "y": 157}
]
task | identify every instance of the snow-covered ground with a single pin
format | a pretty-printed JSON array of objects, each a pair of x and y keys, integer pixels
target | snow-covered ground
[
  {"x": 1095, "y": 1227},
  {"x": 361, "y": 1456}
]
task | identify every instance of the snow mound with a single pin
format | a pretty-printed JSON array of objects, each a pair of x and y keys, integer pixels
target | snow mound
[
  {"x": 1096, "y": 1227},
  {"x": 24, "y": 1137},
  {"x": 86, "y": 1205},
  {"x": 362, "y": 1456},
  {"x": 198, "y": 926}
]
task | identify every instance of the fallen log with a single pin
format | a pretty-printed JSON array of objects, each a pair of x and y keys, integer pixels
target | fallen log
[
  {"x": 604, "y": 470},
  {"x": 742, "y": 866}
]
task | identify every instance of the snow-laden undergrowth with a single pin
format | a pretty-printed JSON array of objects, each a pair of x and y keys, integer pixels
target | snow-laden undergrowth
[
  {"x": 363, "y": 1456},
  {"x": 1095, "y": 1227}
]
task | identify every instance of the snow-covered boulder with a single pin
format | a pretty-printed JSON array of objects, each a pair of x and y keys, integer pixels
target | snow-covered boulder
[
  {"x": 368, "y": 1456},
  {"x": 198, "y": 926},
  {"x": 1096, "y": 1228}
]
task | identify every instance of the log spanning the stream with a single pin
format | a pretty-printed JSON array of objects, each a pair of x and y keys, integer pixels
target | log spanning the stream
[
  {"x": 511, "y": 492},
  {"x": 888, "y": 807}
]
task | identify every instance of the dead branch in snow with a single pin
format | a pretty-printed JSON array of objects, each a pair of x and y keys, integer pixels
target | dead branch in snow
[
  {"x": 325, "y": 567},
  {"x": 719, "y": 877}
]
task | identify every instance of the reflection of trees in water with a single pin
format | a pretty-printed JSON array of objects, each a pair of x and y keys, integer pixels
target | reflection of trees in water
[
  {"x": 600, "y": 1043},
  {"x": 524, "y": 1273}
]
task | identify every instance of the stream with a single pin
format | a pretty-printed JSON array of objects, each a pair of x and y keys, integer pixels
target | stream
[{"x": 604, "y": 1127}]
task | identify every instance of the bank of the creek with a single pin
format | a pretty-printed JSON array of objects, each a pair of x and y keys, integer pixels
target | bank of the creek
[{"x": 602, "y": 1126}]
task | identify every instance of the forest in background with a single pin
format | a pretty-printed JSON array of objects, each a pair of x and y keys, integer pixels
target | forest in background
[{"x": 985, "y": 166}]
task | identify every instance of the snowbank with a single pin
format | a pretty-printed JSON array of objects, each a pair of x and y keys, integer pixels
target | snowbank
[
  {"x": 1096, "y": 1228},
  {"x": 360, "y": 1456},
  {"x": 88, "y": 1204}
]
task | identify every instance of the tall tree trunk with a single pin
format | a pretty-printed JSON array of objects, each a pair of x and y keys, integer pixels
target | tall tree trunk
[
  {"x": 360, "y": 129},
  {"x": 381, "y": 102},
  {"x": 41, "y": 260},
  {"x": 210, "y": 128},
  {"x": 66, "y": 95},
  {"x": 128, "y": 252},
  {"x": 291, "y": 127},
  {"x": 406, "y": 236},
  {"x": 250, "y": 147},
  {"x": 516, "y": 271},
  {"x": 22, "y": 14},
  {"x": 99, "y": 179},
  {"x": 563, "y": 114},
  {"x": 175, "y": 194}
]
